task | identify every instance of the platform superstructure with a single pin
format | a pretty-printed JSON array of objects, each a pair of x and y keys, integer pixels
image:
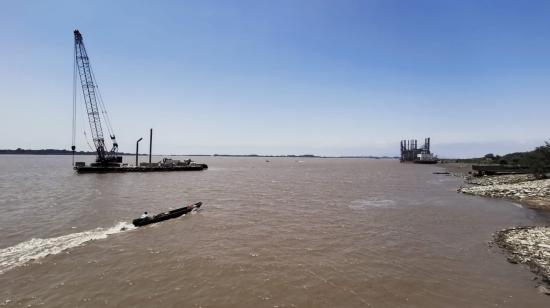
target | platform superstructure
[{"x": 410, "y": 152}]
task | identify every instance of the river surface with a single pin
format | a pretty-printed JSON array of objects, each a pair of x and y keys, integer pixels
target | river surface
[{"x": 288, "y": 232}]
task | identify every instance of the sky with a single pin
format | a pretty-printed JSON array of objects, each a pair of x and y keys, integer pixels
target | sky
[{"x": 282, "y": 77}]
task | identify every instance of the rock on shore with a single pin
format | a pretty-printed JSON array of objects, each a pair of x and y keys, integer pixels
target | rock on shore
[
  {"x": 527, "y": 245},
  {"x": 538, "y": 189},
  {"x": 499, "y": 179}
]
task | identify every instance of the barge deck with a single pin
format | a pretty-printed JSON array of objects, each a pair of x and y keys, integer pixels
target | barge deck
[{"x": 107, "y": 169}]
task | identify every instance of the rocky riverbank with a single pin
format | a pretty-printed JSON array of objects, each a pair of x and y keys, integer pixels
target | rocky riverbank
[
  {"x": 499, "y": 179},
  {"x": 525, "y": 245},
  {"x": 523, "y": 188},
  {"x": 528, "y": 245},
  {"x": 515, "y": 191}
]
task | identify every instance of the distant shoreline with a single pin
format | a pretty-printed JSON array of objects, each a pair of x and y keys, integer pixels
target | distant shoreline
[
  {"x": 52, "y": 152},
  {"x": 20, "y": 151}
]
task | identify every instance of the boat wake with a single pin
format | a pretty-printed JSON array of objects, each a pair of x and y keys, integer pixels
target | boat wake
[{"x": 37, "y": 248}]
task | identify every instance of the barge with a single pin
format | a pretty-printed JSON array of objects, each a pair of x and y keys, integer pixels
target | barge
[
  {"x": 109, "y": 161},
  {"x": 109, "y": 169},
  {"x": 493, "y": 169},
  {"x": 164, "y": 166}
]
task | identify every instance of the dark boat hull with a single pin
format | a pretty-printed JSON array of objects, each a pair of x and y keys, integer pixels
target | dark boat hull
[
  {"x": 100, "y": 169},
  {"x": 139, "y": 222}
]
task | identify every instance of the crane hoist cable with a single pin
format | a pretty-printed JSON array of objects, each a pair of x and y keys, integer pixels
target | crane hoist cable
[
  {"x": 73, "y": 145},
  {"x": 103, "y": 109}
]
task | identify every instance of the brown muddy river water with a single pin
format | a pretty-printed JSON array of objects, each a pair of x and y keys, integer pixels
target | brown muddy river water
[{"x": 284, "y": 233}]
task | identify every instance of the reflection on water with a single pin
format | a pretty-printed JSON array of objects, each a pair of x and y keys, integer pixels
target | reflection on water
[{"x": 362, "y": 203}]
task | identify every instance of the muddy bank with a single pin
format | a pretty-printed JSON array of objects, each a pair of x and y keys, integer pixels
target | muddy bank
[
  {"x": 527, "y": 245},
  {"x": 457, "y": 169}
]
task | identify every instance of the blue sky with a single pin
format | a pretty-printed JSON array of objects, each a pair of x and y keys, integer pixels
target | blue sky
[{"x": 283, "y": 77}]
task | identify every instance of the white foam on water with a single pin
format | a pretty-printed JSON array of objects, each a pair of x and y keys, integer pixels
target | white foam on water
[
  {"x": 37, "y": 248},
  {"x": 362, "y": 203}
]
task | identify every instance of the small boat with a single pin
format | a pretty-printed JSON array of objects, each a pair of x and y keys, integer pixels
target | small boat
[{"x": 138, "y": 222}]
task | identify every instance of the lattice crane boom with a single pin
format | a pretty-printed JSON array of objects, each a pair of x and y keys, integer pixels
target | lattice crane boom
[{"x": 91, "y": 94}]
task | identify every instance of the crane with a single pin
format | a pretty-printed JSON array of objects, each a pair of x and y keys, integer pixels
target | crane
[{"x": 94, "y": 110}]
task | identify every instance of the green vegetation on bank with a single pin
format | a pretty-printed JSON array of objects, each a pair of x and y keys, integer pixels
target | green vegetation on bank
[{"x": 537, "y": 160}]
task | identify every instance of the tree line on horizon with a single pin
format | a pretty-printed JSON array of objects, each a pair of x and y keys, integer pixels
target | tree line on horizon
[{"x": 52, "y": 152}]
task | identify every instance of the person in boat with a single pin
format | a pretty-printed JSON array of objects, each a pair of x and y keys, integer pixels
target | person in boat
[{"x": 144, "y": 215}]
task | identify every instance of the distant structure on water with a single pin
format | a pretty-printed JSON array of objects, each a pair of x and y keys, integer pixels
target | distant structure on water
[{"x": 410, "y": 152}]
